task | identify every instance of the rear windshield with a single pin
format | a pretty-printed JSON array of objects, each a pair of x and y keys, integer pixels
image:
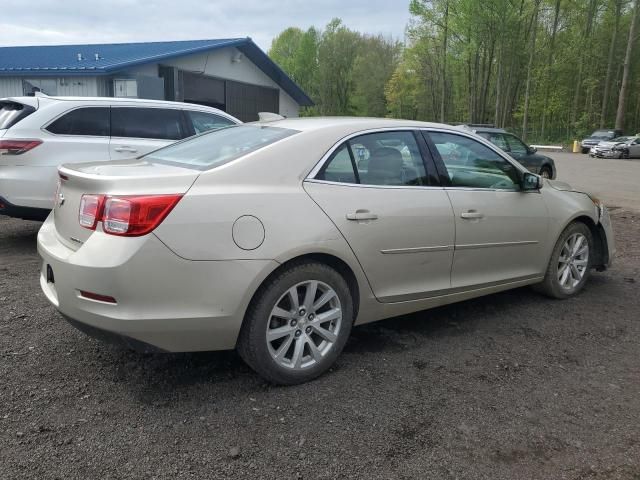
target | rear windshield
[
  {"x": 12, "y": 112},
  {"x": 218, "y": 147}
]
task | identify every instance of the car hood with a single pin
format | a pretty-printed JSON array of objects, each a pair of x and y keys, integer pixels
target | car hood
[
  {"x": 562, "y": 186},
  {"x": 610, "y": 144}
]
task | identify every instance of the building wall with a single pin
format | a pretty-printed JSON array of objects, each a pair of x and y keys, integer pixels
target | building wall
[
  {"x": 10, "y": 87},
  {"x": 64, "y": 86}
]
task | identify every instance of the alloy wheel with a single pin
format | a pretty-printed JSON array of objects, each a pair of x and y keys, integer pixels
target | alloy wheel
[
  {"x": 573, "y": 261},
  {"x": 303, "y": 325}
]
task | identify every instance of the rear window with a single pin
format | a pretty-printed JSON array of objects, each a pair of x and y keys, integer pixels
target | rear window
[
  {"x": 12, "y": 112},
  {"x": 218, "y": 147}
]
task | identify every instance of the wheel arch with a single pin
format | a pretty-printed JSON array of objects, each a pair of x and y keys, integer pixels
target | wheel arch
[
  {"x": 599, "y": 238},
  {"x": 330, "y": 259}
]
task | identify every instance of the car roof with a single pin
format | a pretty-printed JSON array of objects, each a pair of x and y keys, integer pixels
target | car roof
[
  {"x": 111, "y": 100},
  {"x": 355, "y": 123},
  {"x": 482, "y": 128}
]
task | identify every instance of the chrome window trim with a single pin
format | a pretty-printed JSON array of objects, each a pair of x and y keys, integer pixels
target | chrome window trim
[
  {"x": 453, "y": 130},
  {"x": 318, "y": 166},
  {"x": 361, "y": 185}
]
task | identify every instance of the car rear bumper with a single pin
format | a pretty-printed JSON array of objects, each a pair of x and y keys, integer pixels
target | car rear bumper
[
  {"x": 163, "y": 302},
  {"x": 26, "y": 213}
]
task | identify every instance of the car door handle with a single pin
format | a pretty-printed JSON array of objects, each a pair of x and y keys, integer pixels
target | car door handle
[
  {"x": 471, "y": 215},
  {"x": 362, "y": 215},
  {"x": 126, "y": 149}
]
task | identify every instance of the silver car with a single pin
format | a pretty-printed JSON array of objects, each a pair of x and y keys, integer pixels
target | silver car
[
  {"x": 621, "y": 147},
  {"x": 277, "y": 237}
]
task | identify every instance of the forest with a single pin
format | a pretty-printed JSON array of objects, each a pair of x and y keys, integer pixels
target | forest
[{"x": 548, "y": 70}]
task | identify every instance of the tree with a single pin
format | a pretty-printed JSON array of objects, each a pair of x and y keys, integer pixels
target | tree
[{"x": 622, "y": 98}]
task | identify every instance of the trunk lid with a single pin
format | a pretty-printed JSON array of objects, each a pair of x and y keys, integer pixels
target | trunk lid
[{"x": 129, "y": 177}]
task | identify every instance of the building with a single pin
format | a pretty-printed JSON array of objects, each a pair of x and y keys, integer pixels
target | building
[{"x": 234, "y": 75}]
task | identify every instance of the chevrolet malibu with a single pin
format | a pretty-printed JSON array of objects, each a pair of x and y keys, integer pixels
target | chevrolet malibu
[{"x": 277, "y": 237}]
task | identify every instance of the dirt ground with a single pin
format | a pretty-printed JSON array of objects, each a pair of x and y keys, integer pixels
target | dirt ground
[{"x": 508, "y": 386}]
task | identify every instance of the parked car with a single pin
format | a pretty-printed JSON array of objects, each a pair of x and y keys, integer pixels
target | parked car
[
  {"x": 523, "y": 153},
  {"x": 599, "y": 136},
  {"x": 621, "y": 147},
  {"x": 274, "y": 238},
  {"x": 39, "y": 133}
]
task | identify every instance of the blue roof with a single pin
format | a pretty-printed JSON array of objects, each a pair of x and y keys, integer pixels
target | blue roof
[{"x": 48, "y": 60}]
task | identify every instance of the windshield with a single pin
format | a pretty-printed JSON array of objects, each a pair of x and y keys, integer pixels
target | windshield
[
  {"x": 603, "y": 134},
  {"x": 218, "y": 147},
  {"x": 12, "y": 112}
]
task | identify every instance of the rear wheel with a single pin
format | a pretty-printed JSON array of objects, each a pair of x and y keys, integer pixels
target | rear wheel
[
  {"x": 297, "y": 324},
  {"x": 570, "y": 263}
]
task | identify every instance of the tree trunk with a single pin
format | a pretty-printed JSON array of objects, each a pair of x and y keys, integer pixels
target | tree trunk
[
  {"x": 532, "y": 48},
  {"x": 443, "y": 100},
  {"x": 612, "y": 49},
  {"x": 622, "y": 98},
  {"x": 587, "y": 41},
  {"x": 552, "y": 43}
]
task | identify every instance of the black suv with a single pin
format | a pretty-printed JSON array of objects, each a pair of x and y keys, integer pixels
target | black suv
[{"x": 516, "y": 148}]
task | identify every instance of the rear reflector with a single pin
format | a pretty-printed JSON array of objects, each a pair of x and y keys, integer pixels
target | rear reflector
[
  {"x": 90, "y": 210},
  {"x": 97, "y": 296},
  {"x": 17, "y": 147},
  {"x": 129, "y": 216}
]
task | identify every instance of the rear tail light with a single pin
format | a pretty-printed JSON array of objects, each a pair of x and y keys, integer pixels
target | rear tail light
[
  {"x": 17, "y": 147},
  {"x": 90, "y": 210},
  {"x": 129, "y": 216}
]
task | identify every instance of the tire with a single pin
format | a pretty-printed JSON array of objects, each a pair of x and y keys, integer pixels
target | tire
[
  {"x": 585, "y": 150},
  {"x": 546, "y": 172},
  {"x": 553, "y": 285},
  {"x": 289, "y": 358}
]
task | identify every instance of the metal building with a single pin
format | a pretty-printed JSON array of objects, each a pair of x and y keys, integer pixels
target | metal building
[{"x": 234, "y": 75}]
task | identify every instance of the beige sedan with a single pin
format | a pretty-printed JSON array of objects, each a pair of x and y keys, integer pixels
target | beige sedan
[{"x": 275, "y": 238}]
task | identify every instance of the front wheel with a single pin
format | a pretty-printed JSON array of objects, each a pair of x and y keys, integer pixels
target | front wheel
[
  {"x": 545, "y": 172},
  {"x": 297, "y": 324},
  {"x": 570, "y": 263}
]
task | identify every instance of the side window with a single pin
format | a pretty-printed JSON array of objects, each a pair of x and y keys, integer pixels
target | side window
[
  {"x": 499, "y": 141},
  {"x": 339, "y": 168},
  {"x": 517, "y": 147},
  {"x": 203, "y": 122},
  {"x": 471, "y": 164},
  {"x": 156, "y": 123},
  {"x": 93, "y": 121},
  {"x": 389, "y": 158}
]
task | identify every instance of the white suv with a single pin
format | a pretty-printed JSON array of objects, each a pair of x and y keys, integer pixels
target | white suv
[{"x": 39, "y": 133}]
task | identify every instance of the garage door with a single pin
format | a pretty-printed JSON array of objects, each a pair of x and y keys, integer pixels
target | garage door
[{"x": 244, "y": 101}]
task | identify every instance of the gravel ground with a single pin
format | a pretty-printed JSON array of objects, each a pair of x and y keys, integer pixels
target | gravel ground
[{"x": 508, "y": 386}]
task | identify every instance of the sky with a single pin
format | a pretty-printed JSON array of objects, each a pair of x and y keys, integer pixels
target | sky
[{"x": 51, "y": 22}]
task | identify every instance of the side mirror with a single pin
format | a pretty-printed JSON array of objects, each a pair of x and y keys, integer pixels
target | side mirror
[
  {"x": 531, "y": 181},
  {"x": 533, "y": 149}
]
